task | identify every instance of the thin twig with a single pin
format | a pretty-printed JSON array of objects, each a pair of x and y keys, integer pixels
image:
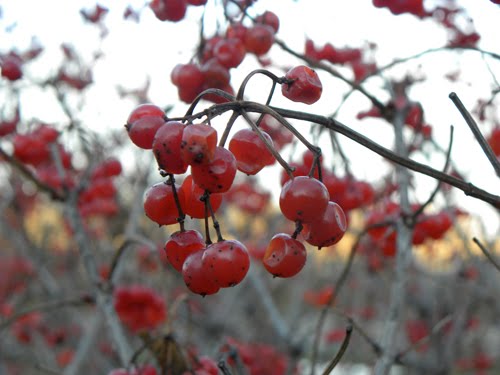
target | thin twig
[
  {"x": 477, "y": 133},
  {"x": 45, "y": 306},
  {"x": 487, "y": 253},
  {"x": 340, "y": 353},
  {"x": 436, "y": 329},
  {"x": 54, "y": 194}
]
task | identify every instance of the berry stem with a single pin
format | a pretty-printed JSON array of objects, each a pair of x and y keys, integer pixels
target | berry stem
[
  {"x": 298, "y": 229},
  {"x": 274, "y": 78},
  {"x": 270, "y": 147},
  {"x": 182, "y": 215},
  {"x": 229, "y": 125},
  {"x": 208, "y": 206},
  {"x": 208, "y": 240}
]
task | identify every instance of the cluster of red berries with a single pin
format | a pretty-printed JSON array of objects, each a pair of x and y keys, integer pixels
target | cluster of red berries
[
  {"x": 41, "y": 152},
  {"x": 428, "y": 226},
  {"x": 414, "y": 118},
  {"x": 139, "y": 308},
  {"x": 12, "y": 62},
  {"x": 220, "y": 54},
  {"x": 258, "y": 358},
  {"x": 205, "y": 266},
  {"x": 353, "y": 57},
  {"x": 172, "y": 10},
  {"x": 415, "y": 7}
]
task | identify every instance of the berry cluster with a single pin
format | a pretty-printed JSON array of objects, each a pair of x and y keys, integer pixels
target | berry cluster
[
  {"x": 139, "y": 308},
  {"x": 221, "y": 53},
  {"x": 428, "y": 226},
  {"x": 177, "y": 146},
  {"x": 415, "y": 7},
  {"x": 352, "y": 57}
]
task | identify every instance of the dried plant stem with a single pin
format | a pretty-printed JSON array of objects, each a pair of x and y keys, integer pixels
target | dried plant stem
[{"x": 477, "y": 133}]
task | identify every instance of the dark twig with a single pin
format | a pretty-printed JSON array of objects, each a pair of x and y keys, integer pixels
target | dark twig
[
  {"x": 438, "y": 327},
  {"x": 340, "y": 353},
  {"x": 477, "y": 133},
  {"x": 46, "y": 306},
  {"x": 487, "y": 253},
  {"x": 332, "y": 124},
  {"x": 336, "y": 291},
  {"x": 55, "y": 194}
]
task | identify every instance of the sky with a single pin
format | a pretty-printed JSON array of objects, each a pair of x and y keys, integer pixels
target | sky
[{"x": 135, "y": 52}]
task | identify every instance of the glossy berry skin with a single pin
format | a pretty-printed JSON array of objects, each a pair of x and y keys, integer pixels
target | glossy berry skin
[
  {"x": 169, "y": 10},
  {"x": 216, "y": 75},
  {"x": 250, "y": 151},
  {"x": 227, "y": 262},
  {"x": 189, "y": 80},
  {"x": 303, "y": 199},
  {"x": 327, "y": 229},
  {"x": 144, "y": 110},
  {"x": 196, "y": 277},
  {"x": 229, "y": 52},
  {"x": 198, "y": 144},
  {"x": 193, "y": 206},
  {"x": 285, "y": 256},
  {"x": 167, "y": 147},
  {"x": 304, "y": 85},
  {"x": 11, "y": 67},
  {"x": 143, "y": 123},
  {"x": 218, "y": 175},
  {"x": 269, "y": 18},
  {"x": 180, "y": 245},
  {"x": 259, "y": 39},
  {"x": 159, "y": 203}
]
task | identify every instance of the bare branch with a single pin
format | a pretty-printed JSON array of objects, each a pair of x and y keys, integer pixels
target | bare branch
[{"x": 477, "y": 133}]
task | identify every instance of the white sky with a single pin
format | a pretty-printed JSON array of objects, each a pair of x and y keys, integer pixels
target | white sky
[{"x": 150, "y": 49}]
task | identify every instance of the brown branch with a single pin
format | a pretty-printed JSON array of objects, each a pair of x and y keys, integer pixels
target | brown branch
[
  {"x": 332, "y": 124},
  {"x": 45, "y": 306},
  {"x": 487, "y": 253},
  {"x": 340, "y": 353},
  {"x": 477, "y": 133},
  {"x": 25, "y": 171}
]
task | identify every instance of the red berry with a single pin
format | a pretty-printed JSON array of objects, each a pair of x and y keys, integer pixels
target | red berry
[
  {"x": 143, "y": 123},
  {"x": 328, "y": 229},
  {"x": 198, "y": 145},
  {"x": 139, "y": 308},
  {"x": 236, "y": 30},
  {"x": 144, "y": 110},
  {"x": 269, "y": 18},
  {"x": 227, "y": 262},
  {"x": 169, "y": 10},
  {"x": 303, "y": 199},
  {"x": 181, "y": 245},
  {"x": 285, "y": 256},
  {"x": 250, "y": 151},
  {"x": 159, "y": 203},
  {"x": 189, "y": 80},
  {"x": 494, "y": 140},
  {"x": 167, "y": 148},
  {"x": 259, "y": 39},
  {"x": 218, "y": 175},
  {"x": 193, "y": 206},
  {"x": 229, "y": 52},
  {"x": 11, "y": 67},
  {"x": 304, "y": 85},
  {"x": 196, "y": 276}
]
